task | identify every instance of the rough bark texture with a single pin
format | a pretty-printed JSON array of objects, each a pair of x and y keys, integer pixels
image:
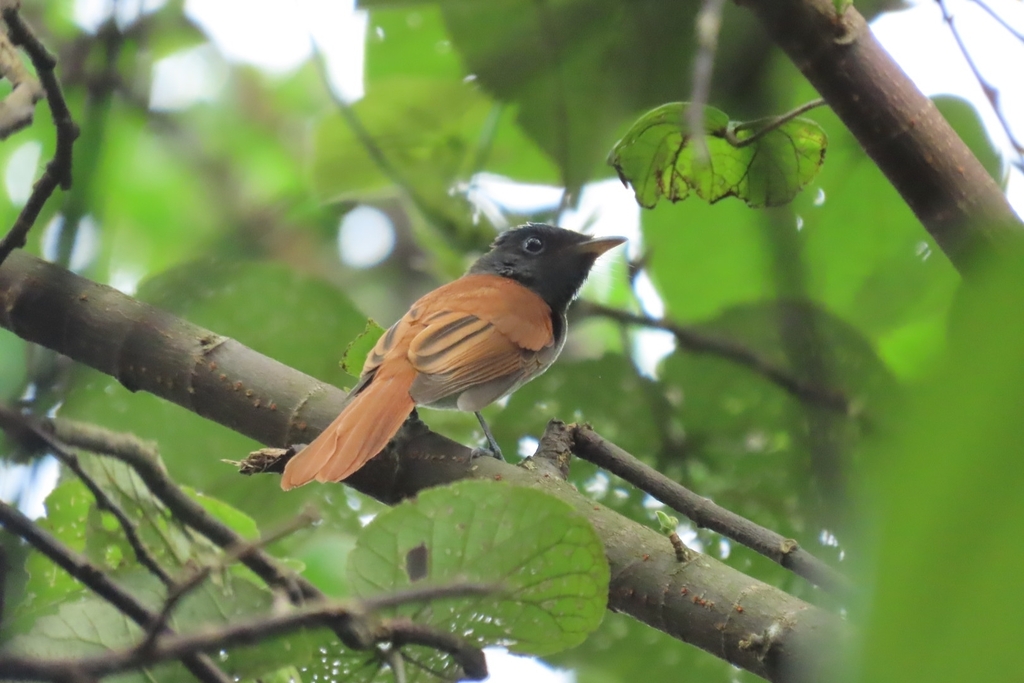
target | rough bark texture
[
  {"x": 901, "y": 130},
  {"x": 749, "y": 623}
]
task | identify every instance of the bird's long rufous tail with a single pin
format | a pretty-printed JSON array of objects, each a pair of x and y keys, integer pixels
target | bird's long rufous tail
[{"x": 361, "y": 431}]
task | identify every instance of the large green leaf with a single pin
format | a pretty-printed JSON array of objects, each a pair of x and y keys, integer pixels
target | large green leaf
[
  {"x": 67, "y": 511},
  {"x": 660, "y": 158},
  {"x": 547, "y": 558}
]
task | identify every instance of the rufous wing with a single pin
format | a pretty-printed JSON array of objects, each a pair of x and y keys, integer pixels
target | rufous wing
[{"x": 457, "y": 351}]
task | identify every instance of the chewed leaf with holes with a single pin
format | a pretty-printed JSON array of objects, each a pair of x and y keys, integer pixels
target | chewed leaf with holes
[
  {"x": 546, "y": 556},
  {"x": 658, "y": 158}
]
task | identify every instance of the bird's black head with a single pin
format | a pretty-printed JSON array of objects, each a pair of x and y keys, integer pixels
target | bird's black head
[{"x": 551, "y": 261}]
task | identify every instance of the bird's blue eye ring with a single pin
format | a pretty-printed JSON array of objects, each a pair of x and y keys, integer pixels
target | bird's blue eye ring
[{"x": 533, "y": 245}]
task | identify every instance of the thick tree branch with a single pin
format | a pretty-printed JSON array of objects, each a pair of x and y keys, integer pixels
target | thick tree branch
[
  {"x": 589, "y": 445},
  {"x": 200, "y": 665},
  {"x": 58, "y": 170},
  {"x": 704, "y": 602},
  {"x": 901, "y": 130},
  {"x": 352, "y": 617}
]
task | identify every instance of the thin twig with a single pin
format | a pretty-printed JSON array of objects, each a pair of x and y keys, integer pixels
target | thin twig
[
  {"x": 701, "y": 342},
  {"x": 991, "y": 92},
  {"x": 58, "y": 170},
  {"x": 470, "y": 658},
  {"x": 590, "y": 446},
  {"x": 350, "y": 616},
  {"x": 762, "y": 127},
  {"x": 143, "y": 458},
  {"x": 708, "y": 25},
  {"x": 200, "y": 665},
  {"x": 1002, "y": 22},
  {"x": 18, "y": 424}
]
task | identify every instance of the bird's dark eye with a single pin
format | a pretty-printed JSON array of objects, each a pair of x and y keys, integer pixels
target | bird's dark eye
[{"x": 533, "y": 245}]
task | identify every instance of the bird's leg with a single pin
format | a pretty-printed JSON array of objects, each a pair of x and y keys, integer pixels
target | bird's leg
[{"x": 491, "y": 443}]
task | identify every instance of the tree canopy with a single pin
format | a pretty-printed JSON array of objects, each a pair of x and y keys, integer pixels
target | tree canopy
[{"x": 811, "y": 351}]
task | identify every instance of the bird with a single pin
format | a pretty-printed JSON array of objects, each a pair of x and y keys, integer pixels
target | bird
[{"x": 461, "y": 346}]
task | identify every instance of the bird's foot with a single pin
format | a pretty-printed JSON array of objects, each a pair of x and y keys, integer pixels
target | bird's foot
[
  {"x": 492, "y": 449},
  {"x": 487, "y": 453}
]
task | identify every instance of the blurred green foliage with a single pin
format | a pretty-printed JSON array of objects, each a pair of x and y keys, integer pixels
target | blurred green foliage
[{"x": 226, "y": 212}]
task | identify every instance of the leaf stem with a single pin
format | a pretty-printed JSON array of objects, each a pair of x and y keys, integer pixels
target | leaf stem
[{"x": 765, "y": 125}]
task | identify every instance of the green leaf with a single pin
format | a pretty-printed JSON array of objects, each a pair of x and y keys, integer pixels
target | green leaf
[
  {"x": 841, "y": 6},
  {"x": 238, "y": 521},
  {"x": 666, "y": 523},
  {"x": 90, "y": 626},
  {"x": 67, "y": 511},
  {"x": 359, "y": 348},
  {"x": 546, "y": 556},
  {"x": 659, "y": 159}
]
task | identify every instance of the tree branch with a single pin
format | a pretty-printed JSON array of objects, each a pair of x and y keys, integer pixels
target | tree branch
[
  {"x": 590, "y": 446},
  {"x": 773, "y": 634},
  {"x": 696, "y": 341},
  {"x": 200, "y": 665},
  {"x": 945, "y": 186},
  {"x": 58, "y": 170},
  {"x": 352, "y": 617}
]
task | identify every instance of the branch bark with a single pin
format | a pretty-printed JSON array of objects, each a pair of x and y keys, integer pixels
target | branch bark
[
  {"x": 703, "y": 602},
  {"x": 901, "y": 130}
]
